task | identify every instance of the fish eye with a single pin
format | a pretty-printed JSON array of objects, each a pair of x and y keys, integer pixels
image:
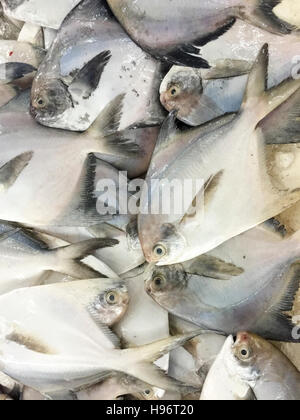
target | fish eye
[
  {"x": 244, "y": 353},
  {"x": 174, "y": 91},
  {"x": 159, "y": 251},
  {"x": 158, "y": 282},
  {"x": 40, "y": 103},
  {"x": 112, "y": 297},
  {"x": 148, "y": 393}
]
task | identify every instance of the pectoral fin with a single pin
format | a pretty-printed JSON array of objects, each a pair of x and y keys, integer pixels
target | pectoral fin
[
  {"x": 88, "y": 78},
  {"x": 10, "y": 172},
  {"x": 223, "y": 69}
]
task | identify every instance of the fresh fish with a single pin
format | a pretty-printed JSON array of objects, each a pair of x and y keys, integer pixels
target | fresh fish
[
  {"x": 21, "y": 52},
  {"x": 200, "y": 95},
  {"x": 214, "y": 156},
  {"x": 52, "y": 330},
  {"x": 90, "y": 62},
  {"x": 24, "y": 258},
  {"x": 61, "y": 169},
  {"x": 177, "y": 30},
  {"x": 222, "y": 384},
  {"x": 254, "y": 362},
  {"x": 113, "y": 388},
  {"x": 249, "y": 283},
  {"x": 39, "y": 12}
]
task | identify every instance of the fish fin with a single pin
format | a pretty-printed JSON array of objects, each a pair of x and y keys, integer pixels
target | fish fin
[
  {"x": 140, "y": 359},
  {"x": 276, "y": 324},
  {"x": 210, "y": 187},
  {"x": 88, "y": 78},
  {"x": 10, "y": 172},
  {"x": 123, "y": 144},
  {"x": 168, "y": 130},
  {"x": 13, "y": 71},
  {"x": 189, "y": 54},
  {"x": 108, "y": 121},
  {"x": 260, "y": 13},
  {"x": 68, "y": 259},
  {"x": 258, "y": 77},
  {"x": 223, "y": 69},
  {"x": 213, "y": 267},
  {"x": 282, "y": 126},
  {"x": 257, "y": 95},
  {"x": 110, "y": 335}
]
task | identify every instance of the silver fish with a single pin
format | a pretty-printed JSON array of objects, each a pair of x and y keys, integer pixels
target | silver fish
[
  {"x": 61, "y": 168},
  {"x": 199, "y": 95},
  {"x": 90, "y": 62},
  {"x": 257, "y": 364},
  {"x": 248, "y": 283},
  {"x": 176, "y": 30},
  {"x": 215, "y": 155},
  {"x": 24, "y": 258},
  {"x": 52, "y": 330}
]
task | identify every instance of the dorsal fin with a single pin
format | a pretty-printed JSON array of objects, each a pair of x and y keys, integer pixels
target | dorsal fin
[{"x": 258, "y": 77}]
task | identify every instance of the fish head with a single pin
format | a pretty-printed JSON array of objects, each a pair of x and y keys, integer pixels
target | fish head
[
  {"x": 166, "y": 285},
  {"x": 181, "y": 90},
  {"x": 49, "y": 100},
  {"x": 112, "y": 304},
  {"x": 162, "y": 244}
]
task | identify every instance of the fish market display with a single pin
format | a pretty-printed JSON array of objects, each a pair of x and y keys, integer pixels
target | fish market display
[{"x": 149, "y": 202}]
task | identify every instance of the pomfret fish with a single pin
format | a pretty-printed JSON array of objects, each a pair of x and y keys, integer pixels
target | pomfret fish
[
  {"x": 257, "y": 364},
  {"x": 59, "y": 167},
  {"x": 200, "y": 95},
  {"x": 176, "y": 30},
  {"x": 39, "y": 12},
  {"x": 215, "y": 156},
  {"x": 63, "y": 347},
  {"x": 90, "y": 62},
  {"x": 249, "y": 283},
  {"x": 24, "y": 258},
  {"x": 221, "y": 384}
]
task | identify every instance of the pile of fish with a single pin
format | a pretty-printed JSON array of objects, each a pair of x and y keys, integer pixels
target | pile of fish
[{"x": 104, "y": 104}]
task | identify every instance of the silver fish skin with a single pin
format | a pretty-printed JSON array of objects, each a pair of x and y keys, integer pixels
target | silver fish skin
[
  {"x": 214, "y": 156},
  {"x": 176, "y": 30},
  {"x": 260, "y": 365},
  {"x": 248, "y": 283},
  {"x": 25, "y": 258},
  {"x": 90, "y": 62},
  {"x": 65, "y": 348},
  {"x": 39, "y": 12}
]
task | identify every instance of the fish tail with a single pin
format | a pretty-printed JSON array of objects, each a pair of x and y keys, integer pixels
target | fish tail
[
  {"x": 140, "y": 362},
  {"x": 263, "y": 13},
  {"x": 67, "y": 260}
]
